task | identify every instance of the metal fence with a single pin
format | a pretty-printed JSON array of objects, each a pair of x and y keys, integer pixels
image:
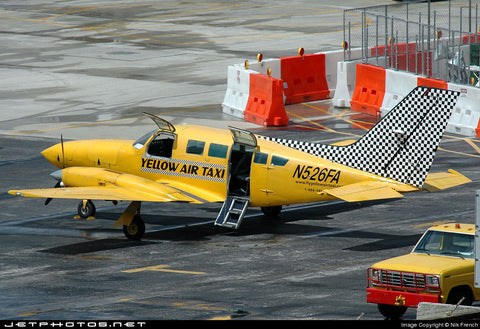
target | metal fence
[{"x": 437, "y": 39}]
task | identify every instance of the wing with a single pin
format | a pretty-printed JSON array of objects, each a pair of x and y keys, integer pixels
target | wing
[
  {"x": 104, "y": 184},
  {"x": 165, "y": 194},
  {"x": 364, "y": 191}
]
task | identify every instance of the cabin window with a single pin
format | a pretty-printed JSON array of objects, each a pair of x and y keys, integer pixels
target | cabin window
[
  {"x": 217, "y": 151},
  {"x": 260, "y": 158},
  {"x": 161, "y": 145},
  {"x": 279, "y": 161},
  {"x": 195, "y": 147}
]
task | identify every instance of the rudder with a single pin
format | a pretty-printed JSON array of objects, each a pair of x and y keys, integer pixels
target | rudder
[{"x": 402, "y": 145}]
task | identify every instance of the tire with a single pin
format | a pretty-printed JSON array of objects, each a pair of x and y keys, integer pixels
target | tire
[
  {"x": 88, "y": 211},
  {"x": 391, "y": 311},
  {"x": 271, "y": 211},
  {"x": 458, "y": 293},
  {"x": 135, "y": 230}
]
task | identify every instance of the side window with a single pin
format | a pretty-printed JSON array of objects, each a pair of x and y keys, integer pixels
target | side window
[
  {"x": 217, "y": 151},
  {"x": 278, "y": 161},
  {"x": 195, "y": 147},
  {"x": 161, "y": 145},
  {"x": 260, "y": 158}
]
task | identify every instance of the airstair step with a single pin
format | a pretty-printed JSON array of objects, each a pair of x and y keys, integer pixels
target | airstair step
[{"x": 232, "y": 212}]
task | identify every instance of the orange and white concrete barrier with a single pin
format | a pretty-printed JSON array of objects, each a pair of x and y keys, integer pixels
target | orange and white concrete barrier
[
  {"x": 238, "y": 90},
  {"x": 304, "y": 78},
  {"x": 369, "y": 89},
  {"x": 265, "y": 105}
]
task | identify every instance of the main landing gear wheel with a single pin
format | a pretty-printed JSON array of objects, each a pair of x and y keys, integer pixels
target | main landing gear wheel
[
  {"x": 271, "y": 212},
  {"x": 86, "y": 211},
  {"x": 135, "y": 230}
]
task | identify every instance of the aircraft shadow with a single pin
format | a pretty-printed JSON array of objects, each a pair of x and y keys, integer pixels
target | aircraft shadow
[
  {"x": 201, "y": 227},
  {"x": 95, "y": 246},
  {"x": 385, "y": 241}
]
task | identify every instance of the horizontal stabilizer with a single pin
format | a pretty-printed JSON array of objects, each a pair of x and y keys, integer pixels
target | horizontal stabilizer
[
  {"x": 444, "y": 180},
  {"x": 345, "y": 142},
  {"x": 364, "y": 191}
]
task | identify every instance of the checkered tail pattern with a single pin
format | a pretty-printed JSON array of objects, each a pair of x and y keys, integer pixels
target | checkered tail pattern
[{"x": 402, "y": 145}]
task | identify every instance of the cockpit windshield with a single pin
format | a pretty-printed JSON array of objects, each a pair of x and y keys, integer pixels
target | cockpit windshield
[
  {"x": 446, "y": 244},
  {"x": 138, "y": 144}
]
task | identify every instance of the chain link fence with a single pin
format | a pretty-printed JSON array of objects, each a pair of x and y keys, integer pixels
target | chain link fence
[{"x": 434, "y": 39}]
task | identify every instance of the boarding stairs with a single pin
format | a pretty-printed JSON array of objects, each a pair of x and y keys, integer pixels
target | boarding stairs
[{"x": 232, "y": 212}]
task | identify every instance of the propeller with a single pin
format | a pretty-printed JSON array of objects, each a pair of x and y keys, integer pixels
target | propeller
[
  {"x": 47, "y": 201},
  {"x": 63, "y": 152},
  {"x": 58, "y": 174}
]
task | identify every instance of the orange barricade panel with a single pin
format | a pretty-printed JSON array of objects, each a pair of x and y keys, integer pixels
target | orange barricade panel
[
  {"x": 400, "y": 48},
  {"x": 369, "y": 89},
  {"x": 265, "y": 102},
  {"x": 430, "y": 82},
  {"x": 418, "y": 61},
  {"x": 470, "y": 38},
  {"x": 304, "y": 78}
]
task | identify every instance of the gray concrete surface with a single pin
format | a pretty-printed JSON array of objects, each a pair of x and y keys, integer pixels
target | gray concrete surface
[{"x": 75, "y": 67}]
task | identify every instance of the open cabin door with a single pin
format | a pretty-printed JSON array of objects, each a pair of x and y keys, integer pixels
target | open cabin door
[
  {"x": 161, "y": 123},
  {"x": 238, "y": 190},
  {"x": 161, "y": 145},
  {"x": 244, "y": 144}
]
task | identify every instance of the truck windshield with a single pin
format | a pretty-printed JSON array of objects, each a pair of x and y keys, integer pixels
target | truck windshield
[{"x": 446, "y": 244}]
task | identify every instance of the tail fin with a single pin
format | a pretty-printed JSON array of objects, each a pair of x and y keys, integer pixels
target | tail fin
[{"x": 402, "y": 145}]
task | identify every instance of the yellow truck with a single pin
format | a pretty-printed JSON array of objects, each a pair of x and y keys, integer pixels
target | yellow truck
[{"x": 439, "y": 269}]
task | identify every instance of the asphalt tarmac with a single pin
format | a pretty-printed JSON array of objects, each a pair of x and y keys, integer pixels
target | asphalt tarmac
[{"x": 85, "y": 69}]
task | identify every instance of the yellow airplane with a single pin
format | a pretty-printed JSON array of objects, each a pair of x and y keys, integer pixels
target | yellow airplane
[{"x": 197, "y": 164}]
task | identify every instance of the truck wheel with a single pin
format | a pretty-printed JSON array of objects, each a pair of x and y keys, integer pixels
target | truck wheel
[
  {"x": 457, "y": 293},
  {"x": 391, "y": 311}
]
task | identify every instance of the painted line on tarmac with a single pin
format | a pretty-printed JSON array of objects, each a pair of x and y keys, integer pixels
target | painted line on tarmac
[
  {"x": 6, "y": 163},
  {"x": 109, "y": 121},
  {"x": 162, "y": 268}
]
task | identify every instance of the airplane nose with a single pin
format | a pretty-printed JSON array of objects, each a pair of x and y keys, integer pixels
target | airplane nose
[{"x": 54, "y": 155}]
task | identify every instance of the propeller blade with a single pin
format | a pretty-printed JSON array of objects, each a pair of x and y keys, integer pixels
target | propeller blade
[
  {"x": 47, "y": 201},
  {"x": 63, "y": 153}
]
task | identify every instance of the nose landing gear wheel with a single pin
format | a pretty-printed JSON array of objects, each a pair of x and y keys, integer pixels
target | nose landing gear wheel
[{"x": 135, "y": 230}]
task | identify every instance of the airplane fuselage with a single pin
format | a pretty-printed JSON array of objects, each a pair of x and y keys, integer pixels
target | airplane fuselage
[{"x": 208, "y": 164}]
